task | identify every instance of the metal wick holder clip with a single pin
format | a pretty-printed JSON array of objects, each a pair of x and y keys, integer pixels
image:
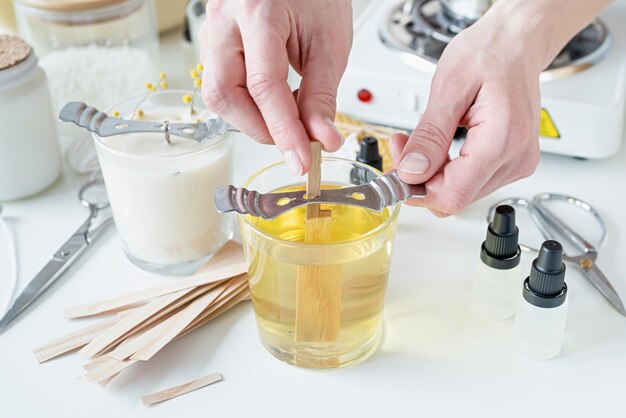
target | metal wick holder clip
[
  {"x": 376, "y": 195},
  {"x": 104, "y": 125}
]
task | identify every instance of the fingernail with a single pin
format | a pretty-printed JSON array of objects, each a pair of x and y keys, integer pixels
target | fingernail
[
  {"x": 332, "y": 125},
  {"x": 414, "y": 163},
  {"x": 293, "y": 162}
]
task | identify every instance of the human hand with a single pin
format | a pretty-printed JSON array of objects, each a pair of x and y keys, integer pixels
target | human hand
[
  {"x": 246, "y": 49},
  {"x": 487, "y": 81}
]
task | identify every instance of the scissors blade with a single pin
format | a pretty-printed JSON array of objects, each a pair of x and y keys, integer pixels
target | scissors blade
[
  {"x": 602, "y": 284},
  {"x": 47, "y": 275}
]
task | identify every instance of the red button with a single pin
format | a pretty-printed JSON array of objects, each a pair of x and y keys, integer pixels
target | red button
[{"x": 365, "y": 95}]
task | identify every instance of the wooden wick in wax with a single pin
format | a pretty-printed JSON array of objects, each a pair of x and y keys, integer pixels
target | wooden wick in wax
[
  {"x": 166, "y": 129},
  {"x": 318, "y": 287}
]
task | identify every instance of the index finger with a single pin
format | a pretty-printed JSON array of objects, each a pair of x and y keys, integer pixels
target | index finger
[{"x": 267, "y": 67}]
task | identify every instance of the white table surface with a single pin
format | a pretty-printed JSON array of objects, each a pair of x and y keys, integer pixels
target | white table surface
[{"x": 436, "y": 359}]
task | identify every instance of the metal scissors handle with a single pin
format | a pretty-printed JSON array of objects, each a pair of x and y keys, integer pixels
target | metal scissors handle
[
  {"x": 65, "y": 255},
  {"x": 553, "y": 227}
]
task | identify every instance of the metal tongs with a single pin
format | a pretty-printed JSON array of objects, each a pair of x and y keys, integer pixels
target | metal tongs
[
  {"x": 104, "y": 125},
  {"x": 376, "y": 195}
]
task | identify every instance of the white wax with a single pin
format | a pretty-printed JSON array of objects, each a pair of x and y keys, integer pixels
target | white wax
[{"x": 162, "y": 195}]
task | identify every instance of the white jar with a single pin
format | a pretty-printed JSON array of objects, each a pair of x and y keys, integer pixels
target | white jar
[
  {"x": 94, "y": 51},
  {"x": 30, "y": 158}
]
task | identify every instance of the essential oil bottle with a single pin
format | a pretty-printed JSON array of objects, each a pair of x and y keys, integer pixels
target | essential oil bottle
[
  {"x": 542, "y": 309},
  {"x": 498, "y": 276}
]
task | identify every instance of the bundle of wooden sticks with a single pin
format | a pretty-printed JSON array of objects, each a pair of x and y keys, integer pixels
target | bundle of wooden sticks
[{"x": 139, "y": 324}]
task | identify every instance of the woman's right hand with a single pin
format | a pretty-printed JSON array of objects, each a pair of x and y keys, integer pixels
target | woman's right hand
[{"x": 246, "y": 49}]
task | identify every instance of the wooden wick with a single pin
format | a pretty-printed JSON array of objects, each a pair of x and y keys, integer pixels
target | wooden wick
[
  {"x": 175, "y": 391},
  {"x": 318, "y": 287}
]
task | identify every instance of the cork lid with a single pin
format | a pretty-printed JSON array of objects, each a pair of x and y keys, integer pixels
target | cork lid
[
  {"x": 70, "y": 5},
  {"x": 13, "y": 50}
]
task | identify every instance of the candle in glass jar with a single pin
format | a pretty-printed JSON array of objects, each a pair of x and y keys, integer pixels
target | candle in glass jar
[{"x": 161, "y": 193}]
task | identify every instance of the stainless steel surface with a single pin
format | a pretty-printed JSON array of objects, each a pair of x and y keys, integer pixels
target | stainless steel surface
[
  {"x": 467, "y": 10},
  {"x": 553, "y": 227},
  {"x": 66, "y": 254},
  {"x": 102, "y": 124},
  {"x": 424, "y": 28},
  {"x": 376, "y": 195}
]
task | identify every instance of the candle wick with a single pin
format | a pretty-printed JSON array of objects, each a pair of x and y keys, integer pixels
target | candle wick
[{"x": 166, "y": 129}]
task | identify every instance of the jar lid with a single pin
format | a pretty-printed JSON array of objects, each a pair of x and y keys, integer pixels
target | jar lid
[
  {"x": 70, "y": 5},
  {"x": 13, "y": 50}
]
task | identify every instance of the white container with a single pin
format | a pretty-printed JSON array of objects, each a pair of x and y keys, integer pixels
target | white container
[
  {"x": 539, "y": 331},
  {"x": 542, "y": 309},
  {"x": 495, "y": 291},
  {"x": 498, "y": 277},
  {"x": 30, "y": 158},
  {"x": 162, "y": 194},
  {"x": 95, "y": 51}
]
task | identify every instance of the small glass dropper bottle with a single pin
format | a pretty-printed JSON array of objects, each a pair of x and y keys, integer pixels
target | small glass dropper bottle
[
  {"x": 498, "y": 275},
  {"x": 542, "y": 309},
  {"x": 369, "y": 154}
]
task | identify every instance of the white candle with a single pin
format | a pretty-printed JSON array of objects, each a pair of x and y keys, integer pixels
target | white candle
[{"x": 162, "y": 194}]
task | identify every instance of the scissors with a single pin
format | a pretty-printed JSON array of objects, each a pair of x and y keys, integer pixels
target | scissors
[
  {"x": 93, "y": 196},
  {"x": 550, "y": 226}
]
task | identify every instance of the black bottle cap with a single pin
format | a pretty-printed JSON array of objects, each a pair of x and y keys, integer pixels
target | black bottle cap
[
  {"x": 545, "y": 287},
  {"x": 369, "y": 154},
  {"x": 500, "y": 249}
]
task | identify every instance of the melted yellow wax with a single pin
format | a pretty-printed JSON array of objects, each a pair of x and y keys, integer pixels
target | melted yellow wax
[{"x": 361, "y": 249}]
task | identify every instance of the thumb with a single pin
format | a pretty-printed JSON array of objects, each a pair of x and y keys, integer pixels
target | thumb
[
  {"x": 317, "y": 102},
  {"x": 427, "y": 148}
]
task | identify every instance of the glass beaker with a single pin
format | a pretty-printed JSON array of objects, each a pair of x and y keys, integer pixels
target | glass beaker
[{"x": 351, "y": 266}]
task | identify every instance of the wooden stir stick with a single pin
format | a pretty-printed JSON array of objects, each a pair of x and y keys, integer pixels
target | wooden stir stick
[{"x": 318, "y": 288}]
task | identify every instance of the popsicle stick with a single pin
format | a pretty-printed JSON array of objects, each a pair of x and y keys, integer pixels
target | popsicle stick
[
  {"x": 174, "y": 327},
  {"x": 103, "y": 369},
  {"x": 179, "y": 390},
  {"x": 106, "y": 381},
  {"x": 95, "y": 363},
  {"x": 155, "y": 317},
  {"x": 237, "y": 285},
  {"x": 227, "y": 264},
  {"x": 107, "y": 368},
  {"x": 74, "y": 340},
  {"x": 318, "y": 288},
  {"x": 224, "y": 306},
  {"x": 78, "y": 338},
  {"x": 129, "y": 323},
  {"x": 158, "y": 336}
]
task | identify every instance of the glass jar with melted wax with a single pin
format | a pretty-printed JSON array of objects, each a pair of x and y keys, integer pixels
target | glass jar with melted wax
[{"x": 350, "y": 260}]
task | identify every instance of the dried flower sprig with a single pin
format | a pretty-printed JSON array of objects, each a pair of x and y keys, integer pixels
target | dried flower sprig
[
  {"x": 150, "y": 87},
  {"x": 196, "y": 75}
]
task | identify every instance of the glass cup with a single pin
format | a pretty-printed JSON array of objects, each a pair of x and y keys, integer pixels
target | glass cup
[
  {"x": 320, "y": 304},
  {"x": 162, "y": 194}
]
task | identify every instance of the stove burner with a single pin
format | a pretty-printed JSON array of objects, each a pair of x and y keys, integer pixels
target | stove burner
[{"x": 424, "y": 28}]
